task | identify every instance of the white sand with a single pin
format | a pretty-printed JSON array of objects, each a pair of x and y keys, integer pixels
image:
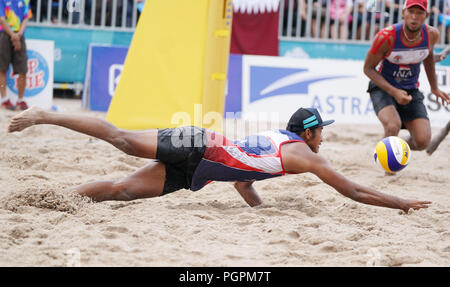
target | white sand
[{"x": 303, "y": 222}]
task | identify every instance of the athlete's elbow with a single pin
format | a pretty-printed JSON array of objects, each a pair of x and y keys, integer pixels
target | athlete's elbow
[{"x": 367, "y": 70}]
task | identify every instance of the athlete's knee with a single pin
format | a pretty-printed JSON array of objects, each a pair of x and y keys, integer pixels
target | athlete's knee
[
  {"x": 422, "y": 142},
  {"x": 121, "y": 190},
  {"x": 392, "y": 128}
]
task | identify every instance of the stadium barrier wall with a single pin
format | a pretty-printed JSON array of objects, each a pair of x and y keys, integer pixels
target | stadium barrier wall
[{"x": 274, "y": 87}]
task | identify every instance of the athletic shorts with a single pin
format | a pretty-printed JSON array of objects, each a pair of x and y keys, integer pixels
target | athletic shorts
[
  {"x": 413, "y": 110},
  {"x": 180, "y": 149},
  {"x": 9, "y": 56}
]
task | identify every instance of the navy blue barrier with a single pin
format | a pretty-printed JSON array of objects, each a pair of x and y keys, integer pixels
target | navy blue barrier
[{"x": 105, "y": 64}]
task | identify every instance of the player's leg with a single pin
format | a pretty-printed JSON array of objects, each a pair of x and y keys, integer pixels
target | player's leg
[
  {"x": 415, "y": 119},
  {"x": 420, "y": 133},
  {"x": 136, "y": 143},
  {"x": 385, "y": 109},
  {"x": 438, "y": 139},
  {"x": 390, "y": 120},
  {"x": 147, "y": 181}
]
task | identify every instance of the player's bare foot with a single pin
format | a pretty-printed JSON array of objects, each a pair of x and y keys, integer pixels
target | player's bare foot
[{"x": 25, "y": 119}]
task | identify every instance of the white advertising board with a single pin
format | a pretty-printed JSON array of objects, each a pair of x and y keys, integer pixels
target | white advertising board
[
  {"x": 278, "y": 86},
  {"x": 39, "y": 83}
]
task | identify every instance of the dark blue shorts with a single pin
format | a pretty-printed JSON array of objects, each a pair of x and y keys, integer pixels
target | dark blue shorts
[
  {"x": 180, "y": 149},
  {"x": 413, "y": 110}
]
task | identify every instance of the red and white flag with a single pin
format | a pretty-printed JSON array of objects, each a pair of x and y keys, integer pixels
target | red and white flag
[{"x": 255, "y": 27}]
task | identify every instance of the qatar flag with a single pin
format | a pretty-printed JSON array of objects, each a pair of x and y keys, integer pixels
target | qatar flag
[{"x": 255, "y": 27}]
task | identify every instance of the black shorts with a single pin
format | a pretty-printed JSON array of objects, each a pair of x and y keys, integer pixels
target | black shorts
[
  {"x": 180, "y": 149},
  {"x": 18, "y": 59},
  {"x": 413, "y": 110}
]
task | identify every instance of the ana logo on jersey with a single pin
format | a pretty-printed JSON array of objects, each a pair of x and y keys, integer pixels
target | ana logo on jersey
[
  {"x": 273, "y": 81},
  {"x": 404, "y": 72}
]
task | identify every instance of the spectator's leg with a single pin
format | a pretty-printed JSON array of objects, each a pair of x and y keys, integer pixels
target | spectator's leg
[
  {"x": 322, "y": 30},
  {"x": 21, "y": 82},
  {"x": 331, "y": 31},
  {"x": 343, "y": 32},
  {"x": 3, "y": 84},
  {"x": 313, "y": 27}
]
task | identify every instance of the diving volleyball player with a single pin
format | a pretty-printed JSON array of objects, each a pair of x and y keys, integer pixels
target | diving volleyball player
[{"x": 191, "y": 157}]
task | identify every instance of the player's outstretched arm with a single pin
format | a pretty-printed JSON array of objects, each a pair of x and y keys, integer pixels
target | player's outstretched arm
[
  {"x": 248, "y": 193},
  {"x": 320, "y": 167}
]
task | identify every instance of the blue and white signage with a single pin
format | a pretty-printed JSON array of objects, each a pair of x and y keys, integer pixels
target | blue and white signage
[
  {"x": 282, "y": 85},
  {"x": 278, "y": 86},
  {"x": 39, "y": 78},
  {"x": 105, "y": 64}
]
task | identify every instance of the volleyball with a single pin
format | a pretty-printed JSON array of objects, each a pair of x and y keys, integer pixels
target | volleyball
[{"x": 392, "y": 153}]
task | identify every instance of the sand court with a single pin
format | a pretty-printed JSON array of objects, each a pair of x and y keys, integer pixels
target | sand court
[{"x": 302, "y": 222}]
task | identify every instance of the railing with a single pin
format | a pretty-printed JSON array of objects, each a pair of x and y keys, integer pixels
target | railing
[
  {"x": 352, "y": 21},
  {"x": 348, "y": 20},
  {"x": 88, "y": 14}
]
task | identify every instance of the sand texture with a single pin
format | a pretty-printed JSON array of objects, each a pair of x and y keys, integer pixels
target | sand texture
[{"x": 302, "y": 222}]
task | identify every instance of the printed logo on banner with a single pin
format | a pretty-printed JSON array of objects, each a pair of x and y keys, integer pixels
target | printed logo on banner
[
  {"x": 443, "y": 79},
  {"x": 105, "y": 70},
  {"x": 270, "y": 81},
  {"x": 114, "y": 77},
  {"x": 37, "y": 75}
]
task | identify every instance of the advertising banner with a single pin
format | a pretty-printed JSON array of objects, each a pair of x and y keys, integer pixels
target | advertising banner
[
  {"x": 105, "y": 64},
  {"x": 39, "y": 83},
  {"x": 277, "y": 86}
]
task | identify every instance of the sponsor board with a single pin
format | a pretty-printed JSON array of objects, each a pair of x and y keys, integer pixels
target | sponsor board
[
  {"x": 439, "y": 115},
  {"x": 104, "y": 67},
  {"x": 39, "y": 78},
  {"x": 277, "y": 86}
]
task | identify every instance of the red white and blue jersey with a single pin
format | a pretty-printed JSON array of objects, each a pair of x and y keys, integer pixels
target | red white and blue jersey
[
  {"x": 401, "y": 68},
  {"x": 255, "y": 157}
]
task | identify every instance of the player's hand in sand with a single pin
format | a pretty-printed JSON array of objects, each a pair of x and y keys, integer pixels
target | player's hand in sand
[{"x": 414, "y": 204}]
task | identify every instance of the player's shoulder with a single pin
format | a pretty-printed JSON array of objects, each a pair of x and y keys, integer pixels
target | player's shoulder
[
  {"x": 385, "y": 34},
  {"x": 388, "y": 31},
  {"x": 432, "y": 31},
  {"x": 390, "y": 28},
  {"x": 384, "y": 41}
]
